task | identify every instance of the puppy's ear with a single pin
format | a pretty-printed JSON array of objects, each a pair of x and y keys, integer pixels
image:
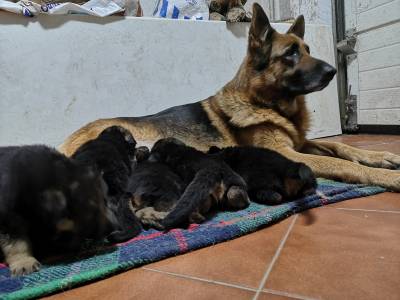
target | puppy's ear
[
  {"x": 298, "y": 27},
  {"x": 260, "y": 38},
  {"x": 307, "y": 177},
  {"x": 305, "y": 172}
]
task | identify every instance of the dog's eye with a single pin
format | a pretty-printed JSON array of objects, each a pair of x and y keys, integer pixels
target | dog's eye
[
  {"x": 292, "y": 51},
  {"x": 307, "y": 49}
]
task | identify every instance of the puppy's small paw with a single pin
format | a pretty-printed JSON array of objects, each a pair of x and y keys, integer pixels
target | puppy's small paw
[
  {"x": 196, "y": 218},
  {"x": 24, "y": 266},
  {"x": 237, "y": 197},
  {"x": 269, "y": 197}
]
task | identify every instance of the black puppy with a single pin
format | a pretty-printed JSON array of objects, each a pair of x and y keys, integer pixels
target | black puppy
[
  {"x": 155, "y": 189},
  {"x": 271, "y": 178},
  {"x": 48, "y": 205},
  {"x": 112, "y": 153},
  {"x": 208, "y": 182}
]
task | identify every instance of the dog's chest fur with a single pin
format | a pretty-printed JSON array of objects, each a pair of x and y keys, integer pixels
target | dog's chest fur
[{"x": 282, "y": 123}]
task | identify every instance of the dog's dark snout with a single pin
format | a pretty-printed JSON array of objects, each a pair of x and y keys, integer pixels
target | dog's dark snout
[{"x": 328, "y": 70}]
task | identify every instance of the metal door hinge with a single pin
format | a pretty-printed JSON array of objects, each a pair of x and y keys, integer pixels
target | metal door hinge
[
  {"x": 347, "y": 45},
  {"x": 350, "y": 102}
]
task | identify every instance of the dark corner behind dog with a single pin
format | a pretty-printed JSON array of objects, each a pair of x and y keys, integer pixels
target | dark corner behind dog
[{"x": 49, "y": 204}]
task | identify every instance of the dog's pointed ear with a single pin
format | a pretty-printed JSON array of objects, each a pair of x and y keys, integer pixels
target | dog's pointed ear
[
  {"x": 260, "y": 28},
  {"x": 298, "y": 27}
]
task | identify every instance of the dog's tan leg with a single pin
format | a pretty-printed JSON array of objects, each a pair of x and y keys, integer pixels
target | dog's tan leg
[
  {"x": 18, "y": 256},
  {"x": 377, "y": 159},
  {"x": 347, "y": 171}
]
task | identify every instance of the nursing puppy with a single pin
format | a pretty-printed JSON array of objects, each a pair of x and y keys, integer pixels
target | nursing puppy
[
  {"x": 155, "y": 189},
  {"x": 112, "y": 153},
  {"x": 48, "y": 205},
  {"x": 209, "y": 182},
  {"x": 271, "y": 178}
]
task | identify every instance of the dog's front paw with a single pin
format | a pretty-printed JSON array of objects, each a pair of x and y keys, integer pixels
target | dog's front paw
[
  {"x": 395, "y": 186},
  {"x": 382, "y": 159},
  {"x": 24, "y": 266},
  {"x": 392, "y": 161}
]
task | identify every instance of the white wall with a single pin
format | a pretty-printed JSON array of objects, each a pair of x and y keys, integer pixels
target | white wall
[
  {"x": 58, "y": 73},
  {"x": 314, "y": 11}
]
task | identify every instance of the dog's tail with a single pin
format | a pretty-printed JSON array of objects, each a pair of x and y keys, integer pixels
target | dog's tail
[{"x": 203, "y": 185}]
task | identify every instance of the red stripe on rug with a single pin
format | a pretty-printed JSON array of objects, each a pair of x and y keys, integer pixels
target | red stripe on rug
[
  {"x": 324, "y": 199},
  {"x": 183, "y": 246}
]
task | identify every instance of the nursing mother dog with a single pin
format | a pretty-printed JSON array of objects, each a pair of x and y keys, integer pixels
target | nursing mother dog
[{"x": 263, "y": 105}]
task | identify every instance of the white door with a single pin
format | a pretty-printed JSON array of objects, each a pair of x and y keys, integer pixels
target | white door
[{"x": 374, "y": 71}]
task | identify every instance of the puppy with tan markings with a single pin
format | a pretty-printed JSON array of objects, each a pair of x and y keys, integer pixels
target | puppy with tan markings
[
  {"x": 48, "y": 205},
  {"x": 155, "y": 189},
  {"x": 271, "y": 178},
  {"x": 209, "y": 182}
]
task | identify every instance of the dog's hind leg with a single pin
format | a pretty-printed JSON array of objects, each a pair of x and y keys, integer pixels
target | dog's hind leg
[
  {"x": 347, "y": 171},
  {"x": 377, "y": 159}
]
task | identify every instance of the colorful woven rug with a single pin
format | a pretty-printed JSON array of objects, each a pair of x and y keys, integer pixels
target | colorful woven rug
[{"x": 153, "y": 245}]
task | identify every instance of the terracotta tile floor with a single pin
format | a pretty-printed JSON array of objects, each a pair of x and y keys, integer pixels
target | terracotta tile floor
[{"x": 350, "y": 251}]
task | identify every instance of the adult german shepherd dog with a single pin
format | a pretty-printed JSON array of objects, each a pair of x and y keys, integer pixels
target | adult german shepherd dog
[{"x": 263, "y": 105}]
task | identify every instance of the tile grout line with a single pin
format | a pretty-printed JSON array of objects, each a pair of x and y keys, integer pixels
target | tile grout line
[
  {"x": 369, "y": 210},
  {"x": 276, "y": 255},
  {"x": 202, "y": 279},
  {"x": 286, "y": 294}
]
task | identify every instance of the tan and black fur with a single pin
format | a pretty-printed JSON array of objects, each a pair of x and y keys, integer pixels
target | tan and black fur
[
  {"x": 203, "y": 182},
  {"x": 263, "y": 105}
]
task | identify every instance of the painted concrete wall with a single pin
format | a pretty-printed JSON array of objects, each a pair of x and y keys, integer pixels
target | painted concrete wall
[
  {"x": 58, "y": 73},
  {"x": 314, "y": 11}
]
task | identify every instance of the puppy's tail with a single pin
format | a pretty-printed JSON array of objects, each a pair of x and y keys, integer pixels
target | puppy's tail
[{"x": 199, "y": 190}]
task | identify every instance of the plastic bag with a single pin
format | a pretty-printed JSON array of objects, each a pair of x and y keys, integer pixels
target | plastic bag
[
  {"x": 100, "y": 8},
  {"x": 182, "y": 9}
]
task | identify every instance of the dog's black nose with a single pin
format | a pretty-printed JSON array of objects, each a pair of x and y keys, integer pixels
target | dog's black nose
[{"x": 328, "y": 70}]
